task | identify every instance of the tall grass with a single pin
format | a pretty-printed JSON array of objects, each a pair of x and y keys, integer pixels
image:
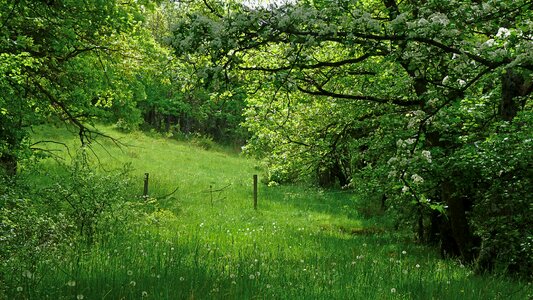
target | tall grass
[{"x": 302, "y": 243}]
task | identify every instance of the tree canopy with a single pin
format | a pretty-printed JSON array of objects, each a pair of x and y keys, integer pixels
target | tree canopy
[
  {"x": 68, "y": 60},
  {"x": 424, "y": 105}
]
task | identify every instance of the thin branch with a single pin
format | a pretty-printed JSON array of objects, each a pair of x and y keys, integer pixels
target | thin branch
[
  {"x": 50, "y": 142},
  {"x": 313, "y": 66},
  {"x": 9, "y": 15},
  {"x": 322, "y": 92}
]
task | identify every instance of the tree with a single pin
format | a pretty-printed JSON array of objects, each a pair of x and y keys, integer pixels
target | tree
[
  {"x": 66, "y": 60},
  {"x": 418, "y": 96}
]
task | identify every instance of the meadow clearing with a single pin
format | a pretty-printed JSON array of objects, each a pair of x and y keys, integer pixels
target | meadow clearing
[{"x": 206, "y": 241}]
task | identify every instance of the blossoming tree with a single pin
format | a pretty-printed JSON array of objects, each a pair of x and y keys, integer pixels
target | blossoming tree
[{"x": 423, "y": 105}]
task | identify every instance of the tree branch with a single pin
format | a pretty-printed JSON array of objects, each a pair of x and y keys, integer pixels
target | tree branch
[
  {"x": 322, "y": 92},
  {"x": 318, "y": 65}
]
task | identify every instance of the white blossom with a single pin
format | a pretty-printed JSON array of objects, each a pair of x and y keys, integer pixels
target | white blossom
[
  {"x": 440, "y": 19},
  {"x": 417, "y": 179},
  {"x": 503, "y": 33},
  {"x": 427, "y": 155}
]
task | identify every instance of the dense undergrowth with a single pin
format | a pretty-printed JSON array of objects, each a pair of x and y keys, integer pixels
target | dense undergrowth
[{"x": 80, "y": 229}]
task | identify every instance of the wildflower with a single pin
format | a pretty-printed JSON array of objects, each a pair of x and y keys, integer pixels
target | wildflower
[
  {"x": 393, "y": 290},
  {"x": 404, "y": 252},
  {"x": 417, "y": 265}
]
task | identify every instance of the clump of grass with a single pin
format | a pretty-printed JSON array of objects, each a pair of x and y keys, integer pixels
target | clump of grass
[{"x": 301, "y": 243}]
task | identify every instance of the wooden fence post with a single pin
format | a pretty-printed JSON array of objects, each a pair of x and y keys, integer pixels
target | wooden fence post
[
  {"x": 255, "y": 192},
  {"x": 145, "y": 194},
  {"x": 211, "y": 194}
]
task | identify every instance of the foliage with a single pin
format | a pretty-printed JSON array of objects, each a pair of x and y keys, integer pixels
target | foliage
[
  {"x": 93, "y": 202},
  {"x": 391, "y": 97},
  {"x": 177, "y": 101},
  {"x": 67, "y": 61}
]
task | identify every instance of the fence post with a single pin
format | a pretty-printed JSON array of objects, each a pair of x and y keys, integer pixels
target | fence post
[
  {"x": 211, "y": 194},
  {"x": 255, "y": 192},
  {"x": 145, "y": 194}
]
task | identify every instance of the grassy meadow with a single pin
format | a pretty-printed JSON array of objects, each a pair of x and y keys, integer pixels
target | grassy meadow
[{"x": 205, "y": 240}]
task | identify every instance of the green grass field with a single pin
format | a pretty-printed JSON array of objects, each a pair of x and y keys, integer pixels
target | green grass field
[{"x": 301, "y": 242}]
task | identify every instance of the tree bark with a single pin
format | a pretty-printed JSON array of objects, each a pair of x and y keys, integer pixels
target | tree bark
[
  {"x": 8, "y": 164},
  {"x": 459, "y": 223}
]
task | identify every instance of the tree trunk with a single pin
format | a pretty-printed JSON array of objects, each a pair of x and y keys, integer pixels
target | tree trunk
[
  {"x": 514, "y": 85},
  {"x": 460, "y": 228},
  {"x": 8, "y": 164}
]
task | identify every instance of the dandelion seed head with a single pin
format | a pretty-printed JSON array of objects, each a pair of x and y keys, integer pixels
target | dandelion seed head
[
  {"x": 71, "y": 283},
  {"x": 130, "y": 272},
  {"x": 182, "y": 278},
  {"x": 133, "y": 283},
  {"x": 252, "y": 276},
  {"x": 404, "y": 252},
  {"x": 144, "y": 294},
  {"x": 19, "y": 289},
  {"x": 393, "y": 290}
]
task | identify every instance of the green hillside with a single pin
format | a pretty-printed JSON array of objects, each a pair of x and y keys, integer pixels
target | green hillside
[{"x": 197, "y": 235}]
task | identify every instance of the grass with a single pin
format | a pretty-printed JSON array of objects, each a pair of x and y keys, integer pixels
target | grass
[{"x": 302, "y": 243}]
